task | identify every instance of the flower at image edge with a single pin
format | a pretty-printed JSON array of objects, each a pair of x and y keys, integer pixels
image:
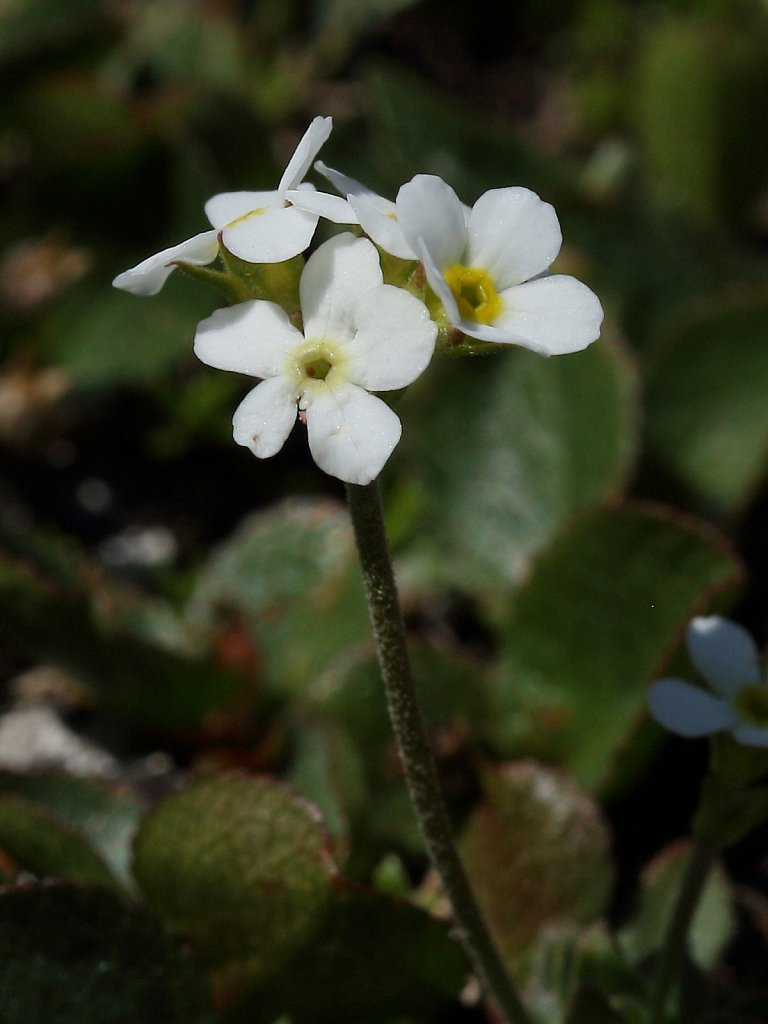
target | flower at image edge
[
  {"x": 259, "y": 227},
  {"x": 360, "y": 335},
  {"x": 728, "y": 659}
]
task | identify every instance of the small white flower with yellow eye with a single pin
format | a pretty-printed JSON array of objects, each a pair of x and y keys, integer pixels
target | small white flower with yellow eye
[
  {"x": 360, "y": 335},
  {"x": 728, "y": 659},
  {"x": 486, "y": 266},
  {"x": 259, "y": 227}
]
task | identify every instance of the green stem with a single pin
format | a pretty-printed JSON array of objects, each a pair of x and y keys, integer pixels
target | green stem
[
  {"x": 415, "y": 753},
  {"x": 703, "y": 856}
]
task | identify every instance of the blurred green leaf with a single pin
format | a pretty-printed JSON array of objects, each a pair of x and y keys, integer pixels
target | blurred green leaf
[
  {"x": 183, "y": 41},
  {"x": 76, "y": 124},
  {"x": 454, "y": 693},
  {"x": 239, "y": 867},
  {"x": 678, "y": 113},
  {"x": 82, "y": 626},
  {"x": 597, "y": 617},
  {"x": 79, "y": 955},
  {"x": 700, "y": 95},
  {"x": 43, "y": 844},
  {"x": 104, "y": 337},
  {"x": 707, "y": 419},
  {"x": 714, "y": 923},
  {"x": 508, "y": 448},
  {"x": 28, "y": 25},
  {"x": 580, "y": 968},
  {"x": 375, "y": 958},
  {"x": 417, "y": 129},
  {"x": 327, "y": 769},
  {"x": 291, "y": 572},
  {"x": 106, "y": 815},
  {"x": 537, "y": 854}
]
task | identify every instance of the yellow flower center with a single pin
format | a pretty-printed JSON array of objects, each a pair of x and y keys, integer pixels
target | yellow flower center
[
  {"x": 751, "y": 704},
  {"x": 314, "y": 361},
  {"x": 475, "y": 293},
  {"x": 317, "y": 369}
]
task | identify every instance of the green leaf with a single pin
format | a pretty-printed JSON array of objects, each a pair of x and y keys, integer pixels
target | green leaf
[
  {"x": 596, "y": 619},
  {"x": 39, "y": 842},
  {"x": 87, "y": 630},
  {"x": 240, "y": 868},
  {"x": 455, "y": 698},
  {"x": 375, "y": 958},
  {"x": 107, "y": 816},
  {"x": 103, "y": 336},
  {"x": 678, "y": 114},
  {"x": 327, "y": 769},
  {"x": 537, "y": 854},
  {"x": 292, "y": 574},
  {"x": 417, "y": 129},
  {"x": 700, "y": 95},
  {"x": 508, "y": 448},
  {"x": 576, "y": 968},
  {"x": 707, "y": 420},
  {"x": 714, "y": 922},
  {"x": 29, "y": 25},
  {"x": 79, "y": 955}
]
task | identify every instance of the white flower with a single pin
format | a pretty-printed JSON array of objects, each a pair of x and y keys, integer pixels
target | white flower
[
  {"x": 377, "y": 216},
  {"x": 484, "y": 265},
  {"x": 359, "y": 335},
  {"x": 728, "y": 659},
  {"x": 260, "y": 227}
]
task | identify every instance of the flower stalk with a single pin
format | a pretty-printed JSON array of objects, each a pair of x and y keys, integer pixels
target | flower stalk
[
  {"x": 416, "y": 755},
  {"x": 700, "y": 862}
]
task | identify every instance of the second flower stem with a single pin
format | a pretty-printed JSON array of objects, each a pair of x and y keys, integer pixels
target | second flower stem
[
  {"x": 416, "y": 755},
  {"x": 703, "y": 856}
]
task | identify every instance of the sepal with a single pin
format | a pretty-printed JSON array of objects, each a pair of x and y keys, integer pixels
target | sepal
[{"x": 276, "y": 282}]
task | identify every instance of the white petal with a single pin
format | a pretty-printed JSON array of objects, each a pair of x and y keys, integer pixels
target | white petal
[
  {"x": 306, "y": 151},
  {"x": 430, "y": 210},
  {"x": 688, "y": 710},
  {"x": 378, "y": 219},
  {"x": 750, "y": 735},
  {"x": 394, "y": 342},
  {"x": 335, "y": 277},
  {"x": 149, "y": 276},
  {"x": 251, "y": 337},
  {"x": 264, "y": 418},
  {"x": 273, "y": 236},
  {"x": 376, "y": 215},
  {"x": 558, "y": 314},
  {"x": 498, "y": 336},
  {"x": 438, "y": 284},
  {"x": 724, "y": 653},
  {"x": 322, "y": 204},
  {"x": 227, "y": 207},
  {"x": 351, "y": 433},
  {"x": 513, "y": 235},
  {"x": 342, "y": 182}
]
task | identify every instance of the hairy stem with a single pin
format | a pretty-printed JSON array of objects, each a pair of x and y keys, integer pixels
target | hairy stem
[
  {"x": 700, "y": 862},
  {"x": 415, "y": 753}
]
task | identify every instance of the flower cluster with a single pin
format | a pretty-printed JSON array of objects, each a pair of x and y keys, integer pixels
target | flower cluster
[
  {"x": 484, "y": 277},
  {"x": 728, "y": 659}
]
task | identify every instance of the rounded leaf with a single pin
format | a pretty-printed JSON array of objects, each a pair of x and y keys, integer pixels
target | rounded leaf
[
  {"x": 240, "y": 867},
  {"x": 537, "y": 854},
  {"x": 80, "y": 955}
]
